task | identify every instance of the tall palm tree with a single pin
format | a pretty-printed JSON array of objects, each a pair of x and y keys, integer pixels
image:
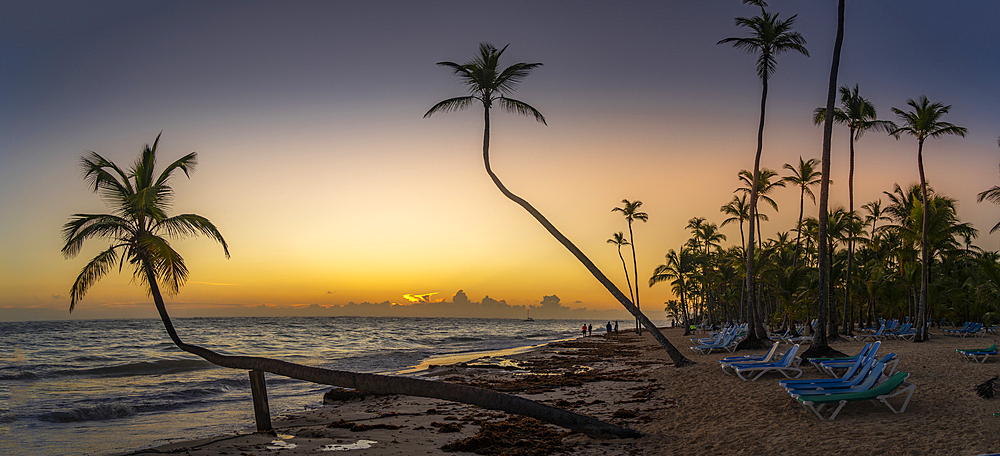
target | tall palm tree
[
  {"x": 139, "y": 231},
  {"x": 630, "y": 210},
  {"x": 769, "y": 37},
  {"x": 738, "y": 211},
  {"x": 859, "y": 115},
  {"x": 803, "y": 176},
  {"x": 922, "y": 121},
  {"x": 619, "y": 240},
  {"x": 820, "y": 346},
  {"x": 488, "y": 83}
]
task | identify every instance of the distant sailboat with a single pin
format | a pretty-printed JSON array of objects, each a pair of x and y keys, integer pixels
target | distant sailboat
[{"x": 529, "y": 316}]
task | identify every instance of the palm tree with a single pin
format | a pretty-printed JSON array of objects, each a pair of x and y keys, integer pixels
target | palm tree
[
  {"x": 139, "y": 231},
  {"x": 739, "y": 212},
  {"x": 677, "y": 269},
  {"x": 859, "y": 115},
  {"x": 923, "y": 121},
  {"x": 803, "y": 177},
  {"x": 487, "y": 83},
  {"x": 630, "y": 210},
  {"x": 770, "y": 37},
  {"x": 820, "y": 345},
  {"x": 619, "y": 240}
]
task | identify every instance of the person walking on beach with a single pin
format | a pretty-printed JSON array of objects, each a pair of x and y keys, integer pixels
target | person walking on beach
[
  {"x": 616, "y": 326},
  {"x": 609, "y": 329},
  {"x": 584, "y": 330},
  {"x": 590, "y": 330}
]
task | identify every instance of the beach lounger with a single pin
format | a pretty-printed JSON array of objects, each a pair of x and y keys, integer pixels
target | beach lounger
[
  {"x": 878, "y": 335},
  {"x": 978, "y": 355},
  {"x": 832, "y": 368},
  {"x": 860, "y": 367},
  {"x": 728, "y": 343},
  {"x": 856, "y": 385},
  {"x": 727, "y": 362},
  {"x": 882, "y": 393},
  {"x": 788, "y": 363},
  {"x": 954, "y": 332},
  {"x": 865, "y": 351}
]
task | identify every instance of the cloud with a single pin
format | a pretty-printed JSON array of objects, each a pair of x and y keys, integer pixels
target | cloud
[{"x": 56, "y": 296}]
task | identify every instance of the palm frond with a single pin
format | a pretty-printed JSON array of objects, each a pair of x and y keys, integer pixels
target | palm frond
[
  {"x": 186, "y": 163},
  {"x": 113, "y": 185},
  {"x": 451, "y": 104},
  {"x": 85, "y": 226},
  {"x": 184, "y": 225},
  {"x": 520, "y": 107},
  {"x": 168, "y": 265},
  {"x": 97, "y": 267}
]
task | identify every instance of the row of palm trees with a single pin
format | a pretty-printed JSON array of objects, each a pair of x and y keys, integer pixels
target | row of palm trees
[{"x": 708, "y": 279}]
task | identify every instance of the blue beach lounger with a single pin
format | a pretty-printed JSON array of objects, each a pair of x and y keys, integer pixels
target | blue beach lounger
[
  {"x": 727, "y": 362},
  {"x": 787, "y": 364},
  {"x": 978, "y": 355}
]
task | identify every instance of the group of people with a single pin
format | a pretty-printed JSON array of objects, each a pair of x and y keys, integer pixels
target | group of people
[{"x": 588, "y": 330}]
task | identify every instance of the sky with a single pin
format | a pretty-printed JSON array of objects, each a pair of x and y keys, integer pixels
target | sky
[{"x": 316, "y": 164}]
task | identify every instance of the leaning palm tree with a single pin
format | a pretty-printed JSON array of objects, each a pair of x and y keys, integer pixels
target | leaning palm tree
[
  {"x": 859, "y": 115},
  {"x": 769, "y": 37},
  {"x": 619, "y": 240},
  {"x": 630, "y": 210},
  {"x": 488, "y": 83},
  {"x": 922, "y": 121},
  {"x": 803, "y": 176},
  {"x": 140, "y": 230}
]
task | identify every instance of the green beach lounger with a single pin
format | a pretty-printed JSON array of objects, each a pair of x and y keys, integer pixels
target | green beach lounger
[
  {"x": 979, "y": 355},
  {"x": 882, "y": 393}
]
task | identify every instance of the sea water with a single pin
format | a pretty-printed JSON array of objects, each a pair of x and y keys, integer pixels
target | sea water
[{"x": 104, "y": 386}]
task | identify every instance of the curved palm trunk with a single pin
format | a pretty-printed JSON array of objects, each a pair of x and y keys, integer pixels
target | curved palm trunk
[
  {"x": 925, "y": 263},
  {"x": 385, "y": 384},
  {"x": 676, "y": 356},
  {"x": 798, "y": 235},
  {"x": 635, "y": 272}
]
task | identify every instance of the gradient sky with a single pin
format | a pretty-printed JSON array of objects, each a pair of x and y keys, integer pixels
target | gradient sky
[{"x": 330, "y": 187}]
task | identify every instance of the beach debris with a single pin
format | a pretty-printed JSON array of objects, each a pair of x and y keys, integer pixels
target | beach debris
[
  {"x": 280, "y": 445},
  {"x": 986, "y": 390},
  {"x": 515, "y": 436},
  {"x": 358, "y": 427},
  {"x": 359, "y": 445},
  {"x": 624, "y": 414}
]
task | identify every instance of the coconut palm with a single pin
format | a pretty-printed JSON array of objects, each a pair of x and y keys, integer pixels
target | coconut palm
[
  {"x": 765, "y": 185},
  {"x": 922, "y": 121},
  {"x": 803, "y": 176},
  {"x": 140, "y": 230},
  {"x": 769, "y": 37},
  {"x": 630, "y": 210},
  {"x": 738, "y": 211},
  {"x": 488, "y": 83},
  {"x": 677, "y": 269},
  {"x": 619, "y": 240}
]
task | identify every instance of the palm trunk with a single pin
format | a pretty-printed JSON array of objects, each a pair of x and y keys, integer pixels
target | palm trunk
[
  {"x": 850, "y": 242},
  {"x": 925, "y": 263},
  {"x": 385, "y": 384},
  {"x": 798, "y": 235},
  {"x": 627, "y": 281},
  {"x": 755, "y": 336},
  {"x": 820, "y": 344},
  {"x": 635, "y": 273},
  {"x": 678, "y": 359}
]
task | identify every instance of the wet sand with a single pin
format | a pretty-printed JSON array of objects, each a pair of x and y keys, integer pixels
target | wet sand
[{"x": 628, "y": 380}]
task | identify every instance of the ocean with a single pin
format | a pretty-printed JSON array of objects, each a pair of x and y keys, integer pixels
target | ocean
[{"x": 103, "y": 386}]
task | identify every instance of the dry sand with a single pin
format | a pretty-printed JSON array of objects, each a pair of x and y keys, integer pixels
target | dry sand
[{"x": 695, "y": 410}]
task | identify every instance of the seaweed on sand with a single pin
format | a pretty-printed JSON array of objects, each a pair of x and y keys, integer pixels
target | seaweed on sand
[{"x": 516, "y": 436}]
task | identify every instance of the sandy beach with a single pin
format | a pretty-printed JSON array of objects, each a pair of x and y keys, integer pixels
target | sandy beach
[{"x": 628, "y": 380}]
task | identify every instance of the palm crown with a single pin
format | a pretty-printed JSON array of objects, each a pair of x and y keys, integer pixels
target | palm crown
[
  {"x": 770, "y": 36},
  {"x": 923, "y": 121},
  {"x": 140, "y": 226},
  {"x": 488, "y": 83}
]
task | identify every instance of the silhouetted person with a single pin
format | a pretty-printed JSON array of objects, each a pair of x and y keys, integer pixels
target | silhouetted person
[
  {"x": 590, "y": 330},
  {"x": 609, "y": 329}
]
